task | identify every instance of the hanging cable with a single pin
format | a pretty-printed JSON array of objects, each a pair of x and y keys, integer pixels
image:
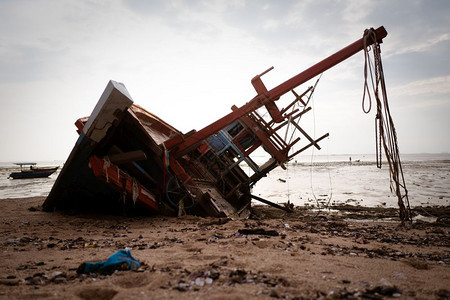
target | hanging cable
[
  {"x": 319, "y": 206},
  {"x": 311, "y": 163},
  {"x": 385, "y": 132},
  {"x": 329, "y": 178},
  {"x": 287, "y": 181},
  {"x": 309, "y": 97}
]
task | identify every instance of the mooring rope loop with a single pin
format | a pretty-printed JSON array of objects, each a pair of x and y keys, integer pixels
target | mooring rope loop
[{"x": 385, "y": 132}]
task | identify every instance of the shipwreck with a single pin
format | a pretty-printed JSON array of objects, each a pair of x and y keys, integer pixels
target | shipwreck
[{"x": 127, "y": 157}]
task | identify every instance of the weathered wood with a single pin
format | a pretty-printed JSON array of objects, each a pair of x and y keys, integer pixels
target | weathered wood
[
  {"x": 287, "y": 209},
  {"x": 126, "y": 157}
]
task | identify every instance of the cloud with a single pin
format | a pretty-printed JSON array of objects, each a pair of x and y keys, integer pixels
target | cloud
[
  {"x": 423, "y": 45},
  {"x": 424, "y": 93}
]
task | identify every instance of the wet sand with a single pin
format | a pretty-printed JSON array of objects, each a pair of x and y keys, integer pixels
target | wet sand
[{"x": 346, "y": 253}]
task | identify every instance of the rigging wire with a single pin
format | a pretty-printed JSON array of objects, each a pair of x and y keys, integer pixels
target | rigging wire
[
  {"x": 311, "y": 93},
  {"x": 309, "y": 99},
  {"x": 294, "y": 130},
  {"x": 385, "y": 132},
  {"x": 287, "y": 181},
  {"x": 319, "y": 207},
  {"x": 312, "y": 157},
  {"x": 329, "y": 177}
]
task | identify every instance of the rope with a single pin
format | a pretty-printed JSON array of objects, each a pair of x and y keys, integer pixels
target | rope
[
  {"x": 312, "y": 155},
  {"x": 385, "y": 132},
  {"x": 327, "y": 205},
  {"x": 329, "y": 177},
  {"x": 287, "y": 181},
  {"x": 311, "y": 98}
]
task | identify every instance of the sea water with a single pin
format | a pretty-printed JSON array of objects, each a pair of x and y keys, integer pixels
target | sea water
[
  {"x": 336, "y": 179},
  {"x": 310, "y": 180}
]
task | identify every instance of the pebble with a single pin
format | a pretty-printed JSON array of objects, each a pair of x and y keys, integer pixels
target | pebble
[
  {"x": 200, "y": 281},
  {"x": 208, "y": 280},
  {"x": 10, "y": 282},
  {"x": 399, "y": 276}
]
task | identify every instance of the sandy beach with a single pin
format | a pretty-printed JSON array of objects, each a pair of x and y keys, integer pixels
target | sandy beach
[{"x": 346, "y": 253}]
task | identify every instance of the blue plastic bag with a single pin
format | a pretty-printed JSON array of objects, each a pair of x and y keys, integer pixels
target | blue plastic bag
[{"x": 121, "y": 260}]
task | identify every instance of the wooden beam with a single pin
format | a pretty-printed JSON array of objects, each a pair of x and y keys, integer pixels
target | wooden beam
[
  {"x": 126, "y": 157},
  {"x": 287, "y": 209}
]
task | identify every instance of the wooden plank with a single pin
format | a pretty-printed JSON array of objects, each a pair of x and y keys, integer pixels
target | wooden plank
[
  {"x": 126, "y": 157},
  {"x": 287, "y": 209}
]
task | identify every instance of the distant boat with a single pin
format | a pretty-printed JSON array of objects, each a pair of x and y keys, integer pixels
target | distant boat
[{"x": 32, "y": 172}]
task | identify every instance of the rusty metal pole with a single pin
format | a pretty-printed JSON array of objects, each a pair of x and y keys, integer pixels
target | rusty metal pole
[{"x": 180, "y": 146}]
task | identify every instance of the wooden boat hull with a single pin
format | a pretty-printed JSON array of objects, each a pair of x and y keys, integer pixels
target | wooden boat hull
[
  {"x": 128, "y": 158},
  {"x": 119, "y": 161}
]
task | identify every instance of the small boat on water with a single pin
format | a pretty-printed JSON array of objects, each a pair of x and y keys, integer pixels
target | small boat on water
[{"x": 32, "y": 171}]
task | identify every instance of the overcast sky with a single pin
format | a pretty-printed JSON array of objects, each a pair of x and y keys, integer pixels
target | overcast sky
[{"x": 190, "y": 61}]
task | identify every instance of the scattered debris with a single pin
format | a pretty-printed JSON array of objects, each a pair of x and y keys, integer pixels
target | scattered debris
[
  {"x": 120, "y": 261},
  {"x": 197, "y": 257},
  {"x": 9, "y": 281},
  {"x": 258, "y": 231}
]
